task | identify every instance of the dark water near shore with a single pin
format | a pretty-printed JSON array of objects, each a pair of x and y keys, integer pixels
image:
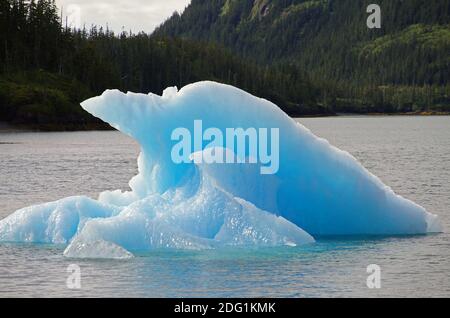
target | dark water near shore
[{"x": 410, "y": 154}]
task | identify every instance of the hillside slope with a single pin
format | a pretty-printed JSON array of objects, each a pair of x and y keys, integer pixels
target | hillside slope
[
  {"x": 46, "y": 69},
  {"x": 403, "y": 66}
]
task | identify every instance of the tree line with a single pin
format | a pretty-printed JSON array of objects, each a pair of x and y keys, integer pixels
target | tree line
[
  {"x": 403, "y": 66},
  {"x": 47, "y": 69}
]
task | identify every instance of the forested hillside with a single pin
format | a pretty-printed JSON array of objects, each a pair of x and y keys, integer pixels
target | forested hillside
[
  {"x": 46, "y": 69},
  {"x": 403, "y": 66},
  {"x": 309, "y": 57}
]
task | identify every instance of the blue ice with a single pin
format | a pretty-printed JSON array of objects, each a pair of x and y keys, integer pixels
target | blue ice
[{"x": 318, "y": 189}]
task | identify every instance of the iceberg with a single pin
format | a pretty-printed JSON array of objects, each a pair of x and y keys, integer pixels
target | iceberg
[{"x": 317, "y": 190}]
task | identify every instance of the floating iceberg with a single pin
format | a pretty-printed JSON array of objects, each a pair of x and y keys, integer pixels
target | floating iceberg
[{"x": 317, "y": 190}]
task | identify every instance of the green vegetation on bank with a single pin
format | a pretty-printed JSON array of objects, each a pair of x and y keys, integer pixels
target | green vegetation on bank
[
  {"x": 44, "y": 101},
  {"x": 313, "y": 57},
  {"x": 402, "y": 67},
  {"x": 46, "y": 70}
]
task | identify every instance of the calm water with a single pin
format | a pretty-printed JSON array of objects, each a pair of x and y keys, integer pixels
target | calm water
[{"x": 411, "y": 154}]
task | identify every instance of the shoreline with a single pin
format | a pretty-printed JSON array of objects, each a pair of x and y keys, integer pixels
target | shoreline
[
  {"x": 6, "y": 127},
  {"x": 419, "y": 114}
]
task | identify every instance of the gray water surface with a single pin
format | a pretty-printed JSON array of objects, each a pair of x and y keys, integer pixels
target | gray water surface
[{"x": 410, "y": 154}]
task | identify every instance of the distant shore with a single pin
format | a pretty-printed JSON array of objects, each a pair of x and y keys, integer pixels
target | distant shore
[
  {"x": 8, "y": 127},
  {"x": 421, "y": 113}
]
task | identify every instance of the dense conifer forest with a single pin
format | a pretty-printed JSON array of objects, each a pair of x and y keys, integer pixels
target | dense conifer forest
[
  {"x": 309, "y": 57},
  {"x": 402, "y": 66},
  {"x": 47, "y": 69}
]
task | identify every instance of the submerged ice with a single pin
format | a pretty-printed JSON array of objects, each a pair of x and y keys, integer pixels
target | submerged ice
[{"x": 317, "y": 190}]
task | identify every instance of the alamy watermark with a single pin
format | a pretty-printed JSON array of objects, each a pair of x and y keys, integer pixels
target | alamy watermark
[
  {"x": 374, "y": 278},
  {"x": 73, "y": 18},
  {"x": 74, "y": 279},
  {"x": 232, "y": 146},
  {"x": 374, "y": 19}
]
